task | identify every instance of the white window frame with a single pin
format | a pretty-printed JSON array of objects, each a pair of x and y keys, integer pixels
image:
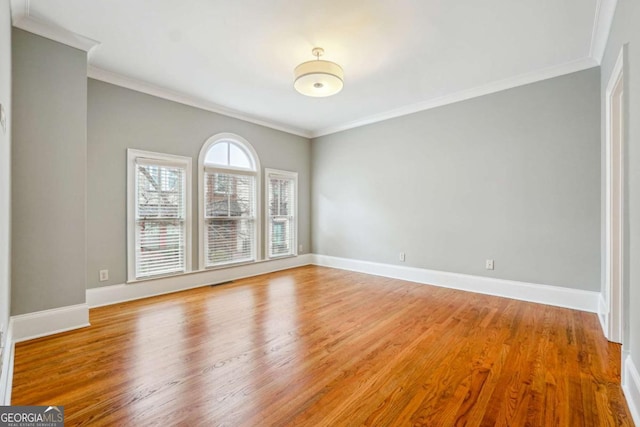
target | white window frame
[
  {"x": 132, "y": 156},
  {"x": 238, "y": 140},
  {"x": 288, "y": 175}
]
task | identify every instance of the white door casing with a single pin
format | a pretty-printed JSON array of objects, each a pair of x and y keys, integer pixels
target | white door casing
[{"x": 614, "y": 148}]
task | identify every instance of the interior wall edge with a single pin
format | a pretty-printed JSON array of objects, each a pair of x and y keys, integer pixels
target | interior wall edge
[
  {"x": 6, "y": 378},
  {"x": 631, "y": 388}
]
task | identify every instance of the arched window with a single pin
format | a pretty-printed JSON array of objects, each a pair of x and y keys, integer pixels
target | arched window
[{"x": 229, "y": 175}]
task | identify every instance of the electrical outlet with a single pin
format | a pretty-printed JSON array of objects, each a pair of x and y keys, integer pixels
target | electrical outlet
[
  {"x": 299, "y": 249},
  {"x": 401, "y": 256},
  {"x": 489, "y": 264},
  {"x": 104, "y": 275}
]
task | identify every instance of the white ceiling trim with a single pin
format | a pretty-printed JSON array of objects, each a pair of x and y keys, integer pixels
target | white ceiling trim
[
  {"x": 602, "y": 21},
  {"x": 523, "y": 79},
  {"x": 58, "y": 34},
  {"x": 160, "y": 92},
  {"x": 605, "y": 11}
]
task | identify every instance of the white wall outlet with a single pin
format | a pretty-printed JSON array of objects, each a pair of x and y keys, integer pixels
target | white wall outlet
[
  {"x": 489, "y": 264},
  {"x": 104, "y": 275},
  {"x": 299, "y": 249},
  {"x": 401, "y": 256}
]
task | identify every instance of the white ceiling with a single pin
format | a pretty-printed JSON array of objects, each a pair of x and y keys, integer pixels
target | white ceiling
[{"x": 398, "y": 56}]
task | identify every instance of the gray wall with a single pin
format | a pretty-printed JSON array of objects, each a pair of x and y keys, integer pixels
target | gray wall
[
  {"x": 48, "y": 174},
  {"x": 513, "y": 176},
  {"x": 5, "y": 167},
  {"x": 625, "y": 30},
  {"x": 120, "y": 118}
]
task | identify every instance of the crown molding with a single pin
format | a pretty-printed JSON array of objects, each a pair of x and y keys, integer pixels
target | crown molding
[
  {"x": 498, "y": 86},
  {"x": 605, "y": 11},
  {"x": 54, "y": 33},
  {"x": 604, "y": 14},
  {"x": 160, "y": 92}
]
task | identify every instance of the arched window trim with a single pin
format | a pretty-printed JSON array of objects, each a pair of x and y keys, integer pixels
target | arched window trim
[{"x": 248, "y": 148}]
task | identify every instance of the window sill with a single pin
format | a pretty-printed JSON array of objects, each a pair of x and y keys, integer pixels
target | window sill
[
  {"x": 203, "y": 270},
  {"x": 243, "y": 263},
  {"x": 281, "y": 257}
]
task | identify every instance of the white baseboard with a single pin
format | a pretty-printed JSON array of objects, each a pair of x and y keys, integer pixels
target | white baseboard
[
  {"x": 544, "y": 294},
  {"x": 6, "y": 378},
  {"x": 631, "y": 388},
  {"x": 35, "y": 325},
  {"x": 603, "y": 315},
  {"x": 97, "y": 297},
  {"x": 48, "y": 322}
]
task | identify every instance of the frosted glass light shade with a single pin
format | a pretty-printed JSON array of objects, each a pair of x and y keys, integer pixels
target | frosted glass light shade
[{"x": 319, "y": 78}]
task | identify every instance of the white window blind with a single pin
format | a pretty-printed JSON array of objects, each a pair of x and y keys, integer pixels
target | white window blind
[
  {"x": 230, "y": 217},
  {"x": 281, "y": 211},
  {"x": 160, "y": 217}
]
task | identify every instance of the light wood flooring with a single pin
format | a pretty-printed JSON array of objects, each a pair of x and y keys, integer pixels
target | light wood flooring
[{"x": 315, "y": 346}]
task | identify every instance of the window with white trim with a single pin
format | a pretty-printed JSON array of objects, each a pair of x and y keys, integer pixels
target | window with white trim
[
  {"x": 159, "y": 225},
  {"x": 229, "y": 201},
  {"x": 281, "y": 195}
]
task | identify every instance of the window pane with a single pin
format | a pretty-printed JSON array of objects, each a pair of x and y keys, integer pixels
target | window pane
[
  {"x": 160, "y": 247},
  {"x": 281, "y": 236},
  {"x": 229, "y": 195},
  {"x": 239, "y": 158},
  {"x": 160, "y": 192},
  {"x": 229, "y": 240},
  {"x": 157, "y": 229},
  {"x": 274, "y": 196},
  {"x": 218, "y": 154},
  {"x": 160, "y": 222},
  {"x": 281, "y": 196},
  {"x": 281, "y": 211}
]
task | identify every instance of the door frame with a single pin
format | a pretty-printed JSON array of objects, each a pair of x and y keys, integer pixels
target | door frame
[{"x": 614, "y": 204}]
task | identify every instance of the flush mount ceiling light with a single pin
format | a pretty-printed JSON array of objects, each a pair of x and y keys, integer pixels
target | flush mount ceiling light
[{"x": 318, "y": 78}]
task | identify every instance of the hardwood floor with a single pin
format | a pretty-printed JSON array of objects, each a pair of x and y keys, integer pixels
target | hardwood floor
[{"x": 322, "y": 347}]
